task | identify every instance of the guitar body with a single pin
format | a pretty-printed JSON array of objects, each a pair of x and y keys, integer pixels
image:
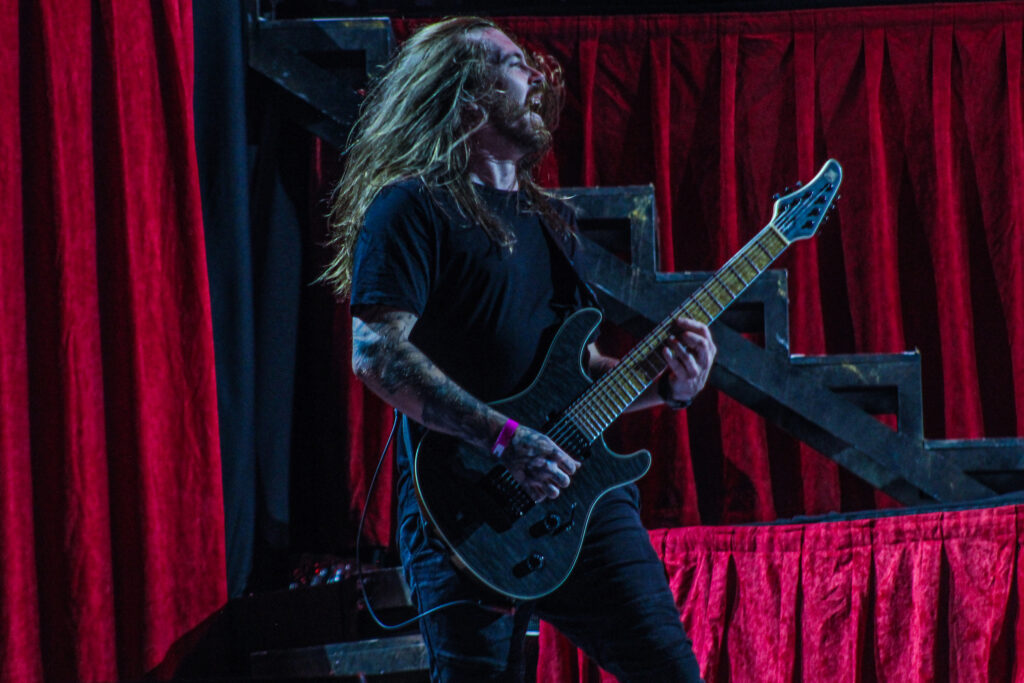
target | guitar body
[{"x": 523, "y": 551}]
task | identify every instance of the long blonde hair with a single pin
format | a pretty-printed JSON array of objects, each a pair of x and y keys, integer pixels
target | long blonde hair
[{"x": 413, "y": 124}]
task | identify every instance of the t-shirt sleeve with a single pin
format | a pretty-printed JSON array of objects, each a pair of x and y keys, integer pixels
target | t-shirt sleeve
[{"x": 394, "y": 253}]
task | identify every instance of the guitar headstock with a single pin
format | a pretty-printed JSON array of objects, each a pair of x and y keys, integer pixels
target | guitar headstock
[{"x": 798, "y": 214}]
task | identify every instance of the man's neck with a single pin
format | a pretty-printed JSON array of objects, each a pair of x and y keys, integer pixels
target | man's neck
[
  {"x": 493, "y": 162},
  {"x": 498, "y": 178}
]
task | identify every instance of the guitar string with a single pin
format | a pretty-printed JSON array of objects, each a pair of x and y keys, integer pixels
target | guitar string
[
  {"x": 579, "y": 416},
  {"x": 601, "y": 395}
]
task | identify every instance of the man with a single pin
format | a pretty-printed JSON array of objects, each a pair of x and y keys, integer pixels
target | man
[{"x": 460, "y": 270}]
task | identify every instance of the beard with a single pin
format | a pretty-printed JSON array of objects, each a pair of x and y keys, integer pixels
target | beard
[{"x": 518, "y": 123}]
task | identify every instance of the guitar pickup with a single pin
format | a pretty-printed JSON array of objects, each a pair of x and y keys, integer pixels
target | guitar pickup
[{"x": 510, "y": 496}]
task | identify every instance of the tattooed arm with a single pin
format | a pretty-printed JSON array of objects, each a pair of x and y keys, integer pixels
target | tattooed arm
[{"x": 393, "y": 367}]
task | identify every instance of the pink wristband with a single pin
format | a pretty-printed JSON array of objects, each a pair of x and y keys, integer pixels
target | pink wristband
[{"x": 504, "y": 437}]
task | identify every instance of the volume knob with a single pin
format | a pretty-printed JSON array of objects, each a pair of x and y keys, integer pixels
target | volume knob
[{"x": 531, "y": 564}]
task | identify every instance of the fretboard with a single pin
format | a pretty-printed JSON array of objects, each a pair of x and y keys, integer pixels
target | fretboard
[{"x": 607, "y": 398}]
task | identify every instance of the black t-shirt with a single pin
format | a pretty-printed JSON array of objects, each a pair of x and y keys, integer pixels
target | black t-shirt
[{"x": 485, "y": 316}]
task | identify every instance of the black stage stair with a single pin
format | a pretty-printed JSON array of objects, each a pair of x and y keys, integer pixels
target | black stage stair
[
  {"x": 828, "y": 402},
  {"x": 316, "y": 629}
]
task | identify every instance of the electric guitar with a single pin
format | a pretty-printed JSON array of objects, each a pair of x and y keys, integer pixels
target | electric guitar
[{"x": 525, "y": 550}]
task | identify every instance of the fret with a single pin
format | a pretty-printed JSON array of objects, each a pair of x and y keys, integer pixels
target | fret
[
  {"x": 689, "y": 312},
  {"x": 620, "y": 389},
  {"x": 651, "y": 353},
  {"x": 595, "y": 424},
  {"x": 590, "y": 433},
  {"x": 732, "y": 269},
  {"x": 604, "y": 410},
  {"x": 587, "y": 424},
  {"x": 631, "y": 379},
  {"x": 605, "y": 389},
  {"x": 635, "y": 357},
  {"x": 765, "y": 250},
  {"x": 624, "y": 396},
  {"x": 605, "y": 407},
  {"x": 706, "y": 304},
  {"x": 752, "y": 264},
  {"x": 702, "y": 309},
  {"x": 711, "y": 294},
  {"x": 779, "y": 241},
  {"x": 636, "y": 380},
  {"x": 724, "y": 286},
  {"x": 607, "y": 395},
  {"x": 652, "y": 369}
]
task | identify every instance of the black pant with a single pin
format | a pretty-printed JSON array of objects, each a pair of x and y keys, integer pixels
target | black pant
[{"x": 616, "y": 606}]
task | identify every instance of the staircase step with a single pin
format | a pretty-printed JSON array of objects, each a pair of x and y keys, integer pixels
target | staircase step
[
  {"x": 880, "y": 384},
  {"x": 997, "y": 463},
  {"x": 373, "y": 657}
]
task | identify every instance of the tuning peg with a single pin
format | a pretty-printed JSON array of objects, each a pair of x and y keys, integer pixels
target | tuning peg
[
  {"x": 799, "y": 184},
  {"x": 777, "y": 196}
]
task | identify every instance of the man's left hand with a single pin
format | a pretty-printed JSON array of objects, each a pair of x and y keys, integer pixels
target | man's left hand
[{"x": 689, "y": 353}]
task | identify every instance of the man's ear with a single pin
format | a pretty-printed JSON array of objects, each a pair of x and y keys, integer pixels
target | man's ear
[{"x": 473, "y": 114}]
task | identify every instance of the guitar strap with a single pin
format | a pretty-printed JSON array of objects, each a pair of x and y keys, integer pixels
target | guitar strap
[{"x": 587, "y": 295}]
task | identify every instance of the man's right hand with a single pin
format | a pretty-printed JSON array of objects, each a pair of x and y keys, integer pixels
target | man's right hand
[{"x": 538, "y": 463}]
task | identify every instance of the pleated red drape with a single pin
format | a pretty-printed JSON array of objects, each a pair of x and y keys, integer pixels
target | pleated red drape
[
  {"x": 906, "y": 598},
  {"x": 922, "y": 106},
  {"x": 112, "y": 510}
]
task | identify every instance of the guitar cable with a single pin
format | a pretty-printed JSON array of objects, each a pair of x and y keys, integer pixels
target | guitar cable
[{"x": 359, "y": 566}]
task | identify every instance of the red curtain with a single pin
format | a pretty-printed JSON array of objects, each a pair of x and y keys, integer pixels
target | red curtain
[
  {"x": 111, "y": 510},
  {"x": 906, "y": 598}
]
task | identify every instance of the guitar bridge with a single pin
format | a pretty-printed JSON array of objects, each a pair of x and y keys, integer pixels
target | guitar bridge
[{"x": 510, "y": 495}]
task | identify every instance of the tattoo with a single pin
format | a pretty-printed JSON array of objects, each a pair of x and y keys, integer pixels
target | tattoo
[{"x": 386, "y": 360}]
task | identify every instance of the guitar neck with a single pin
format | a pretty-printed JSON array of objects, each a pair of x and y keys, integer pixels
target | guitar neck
[{"x": 609, "y": 396}]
